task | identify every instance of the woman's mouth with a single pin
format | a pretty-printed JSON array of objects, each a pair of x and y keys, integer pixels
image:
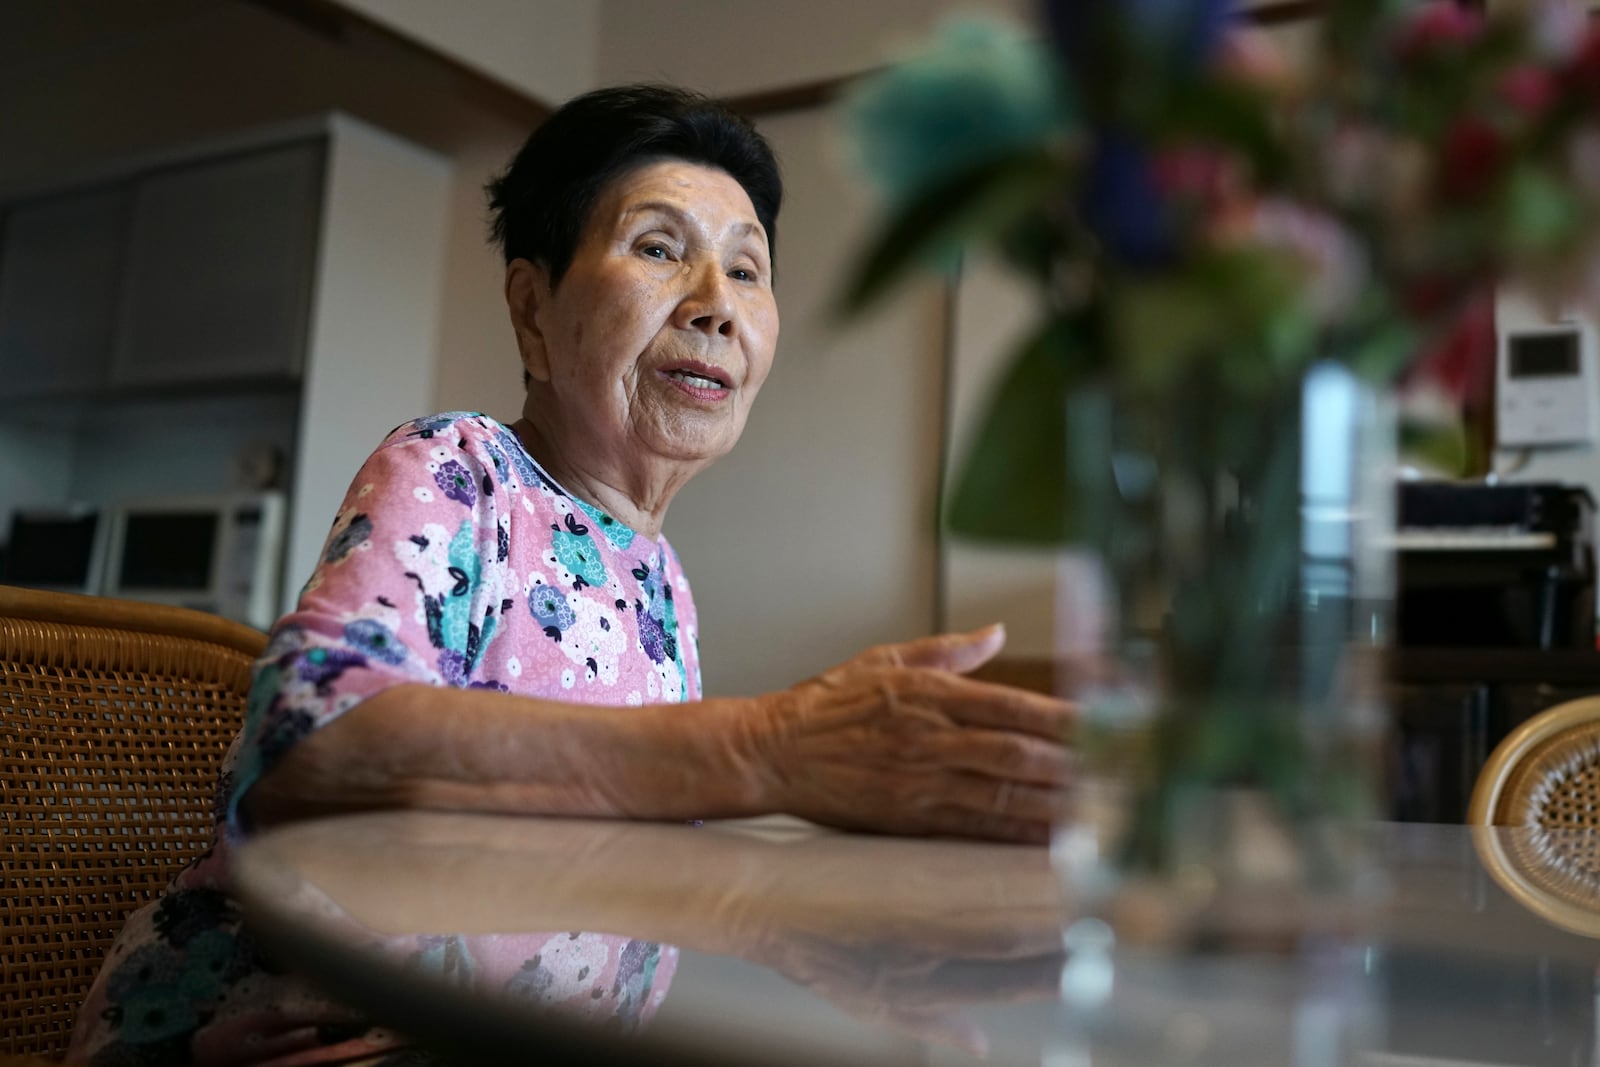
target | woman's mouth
[{"x": 699, "y": 381}]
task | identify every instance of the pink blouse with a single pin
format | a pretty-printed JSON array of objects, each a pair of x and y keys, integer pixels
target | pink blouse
[{"x": 455, "y": 560}]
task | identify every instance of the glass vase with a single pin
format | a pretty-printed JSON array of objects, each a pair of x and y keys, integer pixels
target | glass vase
[{"x": 1231, "y": 717}]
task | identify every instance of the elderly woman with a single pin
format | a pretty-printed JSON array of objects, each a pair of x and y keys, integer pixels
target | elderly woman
[{"x": 497, "y": 623}]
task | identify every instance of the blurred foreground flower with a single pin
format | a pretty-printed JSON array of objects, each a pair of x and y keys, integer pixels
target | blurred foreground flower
[
  {"x": 983, "y": 88},
  {"x": 1225, "y": 247},
  {"x": 1183, "y": 196}
]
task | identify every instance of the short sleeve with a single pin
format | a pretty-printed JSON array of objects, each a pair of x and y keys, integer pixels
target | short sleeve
[
  {"x": 411, "y": 585},
  {"x": 686, "y": 624}
]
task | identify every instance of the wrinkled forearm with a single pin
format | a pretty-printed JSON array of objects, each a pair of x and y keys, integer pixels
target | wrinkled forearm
[
  {"x": 895, "y": 741},
  {"x": 416, "y": 746}
]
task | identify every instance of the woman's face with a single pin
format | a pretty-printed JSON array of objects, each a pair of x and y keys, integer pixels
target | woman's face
[{"x": 662, "y": 330}]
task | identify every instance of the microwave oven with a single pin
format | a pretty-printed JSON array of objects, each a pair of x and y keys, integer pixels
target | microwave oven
[
  {"x": 220, "y": 553},
  {"x": 59, "y": 548}
]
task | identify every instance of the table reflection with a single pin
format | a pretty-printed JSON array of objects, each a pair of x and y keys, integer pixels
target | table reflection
[
  {"x": 1553, "y": 873},
  {"x": 901, "y": 934},
  {"x": 797, "y": 945}
]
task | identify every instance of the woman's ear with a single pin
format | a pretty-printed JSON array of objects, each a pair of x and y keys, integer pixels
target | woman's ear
[{"x": 527, "y": 289}]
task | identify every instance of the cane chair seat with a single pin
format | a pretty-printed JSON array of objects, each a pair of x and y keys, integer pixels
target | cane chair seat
[
  {"x": 1546, "y": 773},
  {"x": 114, "y": 718},
  {"x": 1541, "y": 785}
]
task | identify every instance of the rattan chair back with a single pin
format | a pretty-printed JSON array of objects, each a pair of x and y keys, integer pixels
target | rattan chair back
[
  {"x": 1545, "y": 774},
  {"x": 114, "y": 718}
]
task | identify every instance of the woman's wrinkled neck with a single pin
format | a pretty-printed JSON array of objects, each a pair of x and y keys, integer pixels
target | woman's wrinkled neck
[{"x": 637, "y": 501}]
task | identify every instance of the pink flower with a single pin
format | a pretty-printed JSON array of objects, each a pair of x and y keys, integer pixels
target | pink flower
[
  {"x": 1200, "y": 174},
  {"x": 1529, "y": 89},
  {"x": 1436, "y": 27},
  {"x": 1461, "y": 362},
  {"x": 1353, "y": 162},
  {"x": 1334, "y": 266},
  {"x": 1558, "y": 28},
  {"x": 1248, "y": 56},
  {"x": 1428, "y": 298}
]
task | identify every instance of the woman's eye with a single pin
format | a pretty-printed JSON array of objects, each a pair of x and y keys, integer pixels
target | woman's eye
[
  {"x": 655, "y": 251},
  {"x": 742, "y": 275}
]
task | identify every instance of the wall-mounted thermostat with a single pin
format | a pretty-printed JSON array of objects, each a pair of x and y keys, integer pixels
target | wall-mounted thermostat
[{"x": 1547, "y": 384}]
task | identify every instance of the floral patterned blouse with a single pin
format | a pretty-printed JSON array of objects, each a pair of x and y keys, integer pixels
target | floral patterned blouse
[{"x": 455, "y": 560}]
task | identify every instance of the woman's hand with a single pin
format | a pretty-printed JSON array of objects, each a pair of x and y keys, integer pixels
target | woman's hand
[{"x": 897, "y": 741}]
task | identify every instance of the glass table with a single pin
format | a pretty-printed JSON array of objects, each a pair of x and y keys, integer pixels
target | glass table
[{"x": 795, "y": 945}]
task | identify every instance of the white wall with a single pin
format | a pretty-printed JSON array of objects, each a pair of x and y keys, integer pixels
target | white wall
[
  {"x": 370, "y": 352},
  {"x": 545, "y": 48},
  {"x": 478, "y": 368},
  {"x": 984, "y": 583},
  {"x": 731, "y": 46},
  {"x": 554, "y": 49}
]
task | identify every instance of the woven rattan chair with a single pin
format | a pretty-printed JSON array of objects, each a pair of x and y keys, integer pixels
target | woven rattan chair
[
  {"x": 114, "y": 718},
  {"x": 1546, "y": 773},
  {"x": 1544, "y": 781}
]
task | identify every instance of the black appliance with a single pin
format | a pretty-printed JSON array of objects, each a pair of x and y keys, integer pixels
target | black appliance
[{"x": 1496, "y": 566}]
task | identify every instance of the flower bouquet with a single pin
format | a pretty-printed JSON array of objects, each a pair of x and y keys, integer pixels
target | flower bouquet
[{"x": 1238, "y": 261}]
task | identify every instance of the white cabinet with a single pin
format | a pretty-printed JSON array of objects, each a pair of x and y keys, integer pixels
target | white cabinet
[
  {"x": 59, "y": 265},
  {"x": 217, "y": 275}
]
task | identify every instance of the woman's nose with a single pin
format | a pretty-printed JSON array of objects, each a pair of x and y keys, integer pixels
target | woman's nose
[{"x": 707, "y": 306}]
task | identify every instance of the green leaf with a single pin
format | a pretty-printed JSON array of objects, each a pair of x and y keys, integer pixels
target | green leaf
[
  {"x": 1242, "y": 308},
  {"x": 1161, "y": 324},
  {"x": 1255, "y": 288},
  {"x": 1541, "y": 213},
  {"x": 1438, "y": 446},
  {"x": 979, "y": 204},
  {"x": 1035, "y": 246},
  {"x": 980, "y": 86},
  {"x": 1381, "y": 352},
  {"x": 1015, "y": 484}
]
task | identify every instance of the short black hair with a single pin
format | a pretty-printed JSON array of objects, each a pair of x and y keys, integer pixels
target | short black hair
[{"x": 540, "y": 204}]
